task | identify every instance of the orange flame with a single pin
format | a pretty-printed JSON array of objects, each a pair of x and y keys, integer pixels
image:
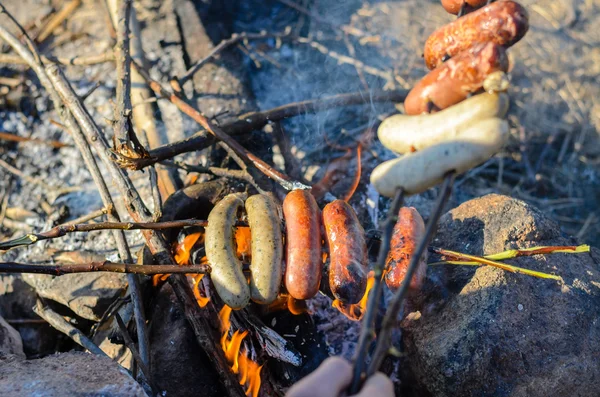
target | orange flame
[
  {"x": 243, "y": 240},
  {"x": 202, "y": 300},
  {"x": 183, "y": 250},
  {"x": 356, "y": 311},
  {"x": 296, "y": 306},
  {"x": 248, "y": 370}
]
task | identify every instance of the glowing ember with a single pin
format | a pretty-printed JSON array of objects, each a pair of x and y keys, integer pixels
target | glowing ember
[
  {"x": 356, "y": 311},
  {"x": 248, "y": 370}
]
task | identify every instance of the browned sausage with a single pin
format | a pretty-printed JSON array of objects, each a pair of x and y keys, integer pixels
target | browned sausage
[
  {"x": 453, "y": 6},
  {"x": 347, "y": 252},
  {"x": 303, "y": 244},
  {"x": 453, "y": 81},
  {"x": 408, "y": 231},
  {"x": 503, "y": 23}
]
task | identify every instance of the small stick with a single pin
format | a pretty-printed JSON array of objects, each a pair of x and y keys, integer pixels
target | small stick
[
  {"x": 384, "y": 337},
  {"x": 16, "y": 138},
  {"x": 58, "y": 322},
  {"x": 285, "y": 181},
  {"x": 367, "y": 331},
  {"x": 256, "y": 120},
  {"x": 88, "y": 217},
  {"x": 60, "y": 269},
  {"x": 56, "y": 20},
  {"x": 84, "y": 60},
  {"x": 62, "y": 230}
]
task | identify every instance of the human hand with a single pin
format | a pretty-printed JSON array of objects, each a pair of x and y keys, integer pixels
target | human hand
[{"x": 333, "y": 376}]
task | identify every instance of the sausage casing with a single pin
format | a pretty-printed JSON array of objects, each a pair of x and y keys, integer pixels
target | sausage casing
[
  {"x": 417, "y": 172},
  {"x": 266, "y": 268},
  {"x": 303, "y": 244},
  {"x": 453, "y": 6},
  {"x": 502, "y": 22},
  {"x": 452, "y": 81},
  {"x": 347, "y": 252},
  {"x": 226, "y": 275},
  {"x": 407, "y": 233},
  {"x": 405, "y": 134}
]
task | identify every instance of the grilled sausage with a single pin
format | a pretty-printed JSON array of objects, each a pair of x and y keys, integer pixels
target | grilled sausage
[
  {"x": 503, "y": 23},
  {"x": 267, "y": 248},
  {"x": 227, "y": 276},
  {"x": 417, "y": 172},
  {"x": 453, "y": 81},
  {"x": 407, "y": 233},
  {"x": 453, "y": 6},
  {"x": 303, "y": 244},
  {"x": 406, "y": 134},
  {"x": 347, "y": 252}
]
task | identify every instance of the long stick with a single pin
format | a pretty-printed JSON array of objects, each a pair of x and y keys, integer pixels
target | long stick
[
  {"x": 384, "y": 337},
  {"x": 63, "y": 230},
  {"x": 367, "y": 329},
  {"x": 253, "y": 121},
  {"x": 59, "y": 269}
]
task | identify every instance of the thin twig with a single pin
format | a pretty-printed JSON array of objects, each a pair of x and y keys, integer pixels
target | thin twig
[
  {"x": 367, "y": 331},
  {"x": 59, "y": 323},
  {"x": 285, "y": 181},
  {"x": 63, "y": 230},
  {"x": 59, "y": 269},
  {"x": 253, "y": 121},
  {"x": 384, "y": 337},
  {"x": 83, "y": 60},
  {"x": 16, "y": 138}
]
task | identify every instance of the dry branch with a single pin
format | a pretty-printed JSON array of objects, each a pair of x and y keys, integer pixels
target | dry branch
[
  {"x": 56, "y": 20},
  {"x": 252, "y": 121},
  {"x": 59, "y": 269}
]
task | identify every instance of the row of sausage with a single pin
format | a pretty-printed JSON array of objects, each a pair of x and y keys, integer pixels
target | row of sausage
[{"x": 308, "y": 233}]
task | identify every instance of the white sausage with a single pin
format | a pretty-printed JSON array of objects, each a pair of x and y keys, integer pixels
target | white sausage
[
  {"x": 417, "y": 172},
  {"x": 266, "y": 268},
  {"x": 226, "y": 274},
  {"x": 404, "y": 134}
]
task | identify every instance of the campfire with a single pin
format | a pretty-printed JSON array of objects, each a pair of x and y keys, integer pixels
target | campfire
[{"x": 181, "y": 210}]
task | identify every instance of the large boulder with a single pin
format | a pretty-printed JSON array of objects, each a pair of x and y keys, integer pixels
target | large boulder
[
  {"x": 497, "y": 333},
  {"x": 66, "y": 374}
]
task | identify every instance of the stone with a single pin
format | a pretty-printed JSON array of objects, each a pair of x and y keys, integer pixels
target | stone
[
  {"x": 66, "y": 374},
  {"x": 87, "y": 294},
  {"x": 10, "y": 340},
  {"x": 505, "y": 334}
]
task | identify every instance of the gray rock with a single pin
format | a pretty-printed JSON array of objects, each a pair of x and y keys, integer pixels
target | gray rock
[
  {"x": 87, "y": 294},
  {"x": 66, "y": 374},
  {"x": 505, "y": 334},
  {"x": 10, "y": 340}
]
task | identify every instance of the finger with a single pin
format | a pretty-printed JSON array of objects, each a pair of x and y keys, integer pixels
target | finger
[
  {"x": 332, "y": 376},
  {"x": 377, "y": 385}
]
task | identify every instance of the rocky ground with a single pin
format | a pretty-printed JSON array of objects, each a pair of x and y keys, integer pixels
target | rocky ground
[{"x": 490, "y": 346}]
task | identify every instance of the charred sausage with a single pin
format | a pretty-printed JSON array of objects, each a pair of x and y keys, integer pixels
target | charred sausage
[
  {"x": 503, "y": 23},
  {"x": 451, "y": 82},
  {"x": 347, "y": 252},
  {"x": 407, "y": 233},
  {"x": 453, "y": 6},
  {"x": 303, "y": 244}
]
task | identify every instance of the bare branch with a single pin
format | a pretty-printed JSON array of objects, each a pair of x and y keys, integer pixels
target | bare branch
[{"x": 59, "y": 269}]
